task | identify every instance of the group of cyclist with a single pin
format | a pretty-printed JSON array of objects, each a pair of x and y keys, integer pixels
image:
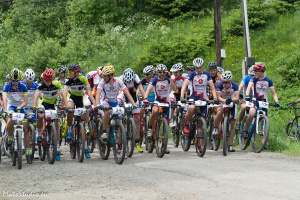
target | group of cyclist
[{"x": 69, "y": 88}]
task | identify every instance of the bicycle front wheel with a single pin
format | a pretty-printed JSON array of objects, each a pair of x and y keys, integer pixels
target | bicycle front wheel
[
  {"x": 162, "y": 137},
  {"x": 201, "y": 137},
  {"x": 260, "y": 137},
  {"x": 225, "y": 131},
  {"x": 119, "y": 146}
]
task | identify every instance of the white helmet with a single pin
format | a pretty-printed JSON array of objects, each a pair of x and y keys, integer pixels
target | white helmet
[
  {"x": 220, "y": 70},
  {"x": 128, "y": 75},
  {"x": 29, "y": 74},
  {"x": 198, "y": 62},
  {"x": 148, "y": 69},
  {"x": 251, "y": 71},
  {"x": 227, "y": 75},
  {"x": 161, "y": 67},
  {"x": 176, "y": 67}
]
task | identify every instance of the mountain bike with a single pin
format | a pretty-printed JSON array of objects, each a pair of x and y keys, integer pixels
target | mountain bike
[
  {"x": 198, "y": 130},
  {"x": 117, "y": 139},
  {"x": 293, "y": 126},
  {"x": 178, "y": 121},
  {"x": 48, "y": 146},
  {"x": 259, "y": 128},
  {"x": 130, "y": 129}
]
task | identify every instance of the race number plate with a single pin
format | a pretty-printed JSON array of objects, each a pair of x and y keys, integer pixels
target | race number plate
[
  {"x": 200, "y": 103},
  {"x": 52, "y": 114},
  {"x": 163, "y": 105},
  {"x": 79, "y": 111},
  {"x": 263, "y": 104},
  {"x": 249, "y": 104},
  {"x": 18, "y": 116},
  {"x": 118, "y": 111}
]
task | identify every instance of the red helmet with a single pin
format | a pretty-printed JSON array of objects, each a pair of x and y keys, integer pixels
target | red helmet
[
  {"x": 48, "y": 74},
  {"x": 259, "y": 67}
]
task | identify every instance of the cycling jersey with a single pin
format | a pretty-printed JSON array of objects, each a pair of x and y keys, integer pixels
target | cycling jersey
[
  {"x": 15, "y": 97},
  {"x": 226, "y": 93},
  {"x": 261, "y": 87},
  {"x": 132, "y": 86},
  {"x": 199, "y": 85},
  {"x": 111, "y": 90},
  {"x": 77, "y": 87},
  {"x": 31, "y": 92},
  {"x": 162, "y": 88},
  {"x": 50, "y": 93},
  {"x": 178, "y": 82},
  {"x": 151, "y": 96}
]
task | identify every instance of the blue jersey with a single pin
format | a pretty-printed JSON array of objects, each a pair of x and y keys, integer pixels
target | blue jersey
[
  {"x": 199, "y": 84},
  {"x": 15, "y": 96},
  {"x": 246, "y": 80},
  {"x": 261, "y": 87}
]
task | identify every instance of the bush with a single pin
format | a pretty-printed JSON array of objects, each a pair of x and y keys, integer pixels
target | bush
[
  {"x": 180, "y": 50},
  {"x": 288, "y": 67}
]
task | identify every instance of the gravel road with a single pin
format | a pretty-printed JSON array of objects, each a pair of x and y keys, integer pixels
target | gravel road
[{"x": 179, "y": 175}]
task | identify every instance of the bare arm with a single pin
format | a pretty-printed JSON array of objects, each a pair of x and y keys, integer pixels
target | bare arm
[
  {"x": 37, "y": 95},
  {"x": 128, "y": 95},
  {"x": 274, "y": 94},
  {"x": 213, "y": 89},
  {"x": 249, "y": 88},
  {"x": 184, "y": 87},
  {"x": 141, "y": 90},
  {"x": 5, "y": 101}
]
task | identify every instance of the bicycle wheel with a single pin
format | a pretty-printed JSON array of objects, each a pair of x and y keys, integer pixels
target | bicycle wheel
[
  {"x": 176, "y": 131},
  {"x": 32, "y": 137},
  {"x": 260, "y": 137},
  {"x": 292, "y": 130},
  {"x": 52, "y": 146},
  {"x": 104, "y": 148},
  {"x": 19, "y": 150},
  {"x": 162, "y": 137},
  {"x": 119, "y": 146},
  {"x": 148, "y": 137},
  {"x": 201, "y": 137},
  {"x": 130, "y": 132},
  {"x": 225, "y": 131},
  {"x": 210, "y": 127},
  {"x": 80, "y": 141}
]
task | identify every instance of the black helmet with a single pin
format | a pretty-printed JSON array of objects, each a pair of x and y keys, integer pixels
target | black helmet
[{"x": 212, "y": 65}]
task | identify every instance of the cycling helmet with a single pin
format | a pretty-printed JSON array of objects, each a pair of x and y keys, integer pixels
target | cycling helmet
[
  {"x": 251, "y": 71},
  {"x": 108, "y": 70},
  {"x": 212, "y": 65},
  {"x": 161, "y": 67},
  {"x": 227, "y": 75},
  {"x": 176, "y": 67},
  {"x": 128, "y": 75},
  {"x": 260, "y": 67},
  {"x": 75, "y": 68},
  {"x": 220, "y": 70},
  {"x": 198, "y": 62},
  {"x": 48, "y": 74},
  {"x": 16, "y": 75},
  {"x": 148, "y": 69},
  {"x": 29, "y": 74},
  {"x": 62, "y": 69}
]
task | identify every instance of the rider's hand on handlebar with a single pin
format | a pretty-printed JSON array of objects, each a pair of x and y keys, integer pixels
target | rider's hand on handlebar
[
  {"x": 247, "y": 98},
  {"x": 182, "y": 100}
]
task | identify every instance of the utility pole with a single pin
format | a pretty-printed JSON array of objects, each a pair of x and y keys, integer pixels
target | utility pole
[
  {"x": 218, "y": 30},
  {"x": 248, "y": 55}
]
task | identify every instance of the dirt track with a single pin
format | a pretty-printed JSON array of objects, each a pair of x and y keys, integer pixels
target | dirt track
[{"x": 180, "y": 175}]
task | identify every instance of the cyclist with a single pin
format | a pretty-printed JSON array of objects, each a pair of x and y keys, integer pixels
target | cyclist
[
  {"x": 15, "y": 94},
  {"x": 178, "y": 78},
  {"x": 259, "y": 84},
  {"x": 227, "y": 91},
  {"x": 242, "y": 89},
  {"x": 216, "y": 76},
  {"x": 148, "y": 72},
  {"x": 49, "y": 90},
  {"x": 162, "y": 85},
  {"x": 135, "y": 87},
  {"x": 31, "y": 85},
  {"x": 62, "y": 74},
  {"x": 107, "y": 95},
  {"x": 94, "y": 78},
  {"x": 76, "y": 86},
  {"x": 199, "y": 80}
]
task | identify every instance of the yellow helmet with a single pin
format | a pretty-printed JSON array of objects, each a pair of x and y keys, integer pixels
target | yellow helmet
[{"x": 108, "y": 70}]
